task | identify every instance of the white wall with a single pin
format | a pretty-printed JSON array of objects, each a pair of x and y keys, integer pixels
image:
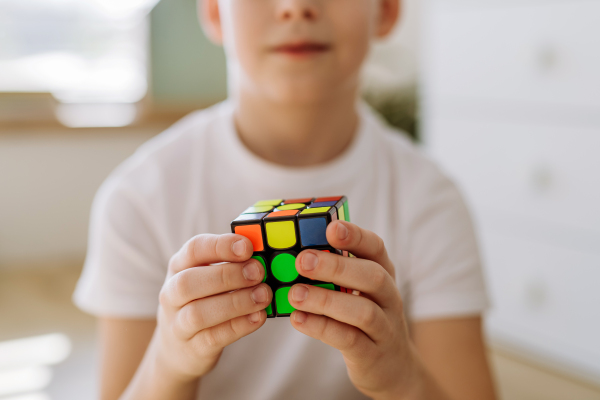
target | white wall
[
  {"x": 511, "y": 99},
  {"x": 47, "y": 182}
]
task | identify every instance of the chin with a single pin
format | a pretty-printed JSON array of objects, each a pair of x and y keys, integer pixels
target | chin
[
  {"x": 299, "y": 97},
  {"x": 302, "y": 93}
]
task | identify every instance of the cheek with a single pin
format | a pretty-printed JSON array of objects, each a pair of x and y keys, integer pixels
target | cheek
[
  {"x": 354, "y": 27},
  {"x": 246, "y": 30}
]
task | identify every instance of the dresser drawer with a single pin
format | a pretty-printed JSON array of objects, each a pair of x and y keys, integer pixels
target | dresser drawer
[
  {"x": 545, "y": 299},
  {"x": 545, "y": 53},
  {"x": 545, "y": 173}
]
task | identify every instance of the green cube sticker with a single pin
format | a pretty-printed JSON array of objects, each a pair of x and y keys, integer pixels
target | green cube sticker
[
  {"x": 262, "y": 261},
  {"x": 283, "y": 267},
  {"x": 281, "y": 300},
  {"x": 326, "y": 286},
  {"x": 346, "y": 211}
]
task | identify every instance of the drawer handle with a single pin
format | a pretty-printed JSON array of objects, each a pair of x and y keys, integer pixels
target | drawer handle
[
  {"x": 547, "y": 58},
  {"x": 536, "y": 294},
  {"x": 542, "y": 179}
]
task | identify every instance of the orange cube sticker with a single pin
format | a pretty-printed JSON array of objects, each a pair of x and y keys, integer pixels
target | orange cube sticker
[{"x": 254, "y": 233}]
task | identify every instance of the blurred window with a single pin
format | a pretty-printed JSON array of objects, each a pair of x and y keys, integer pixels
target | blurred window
[{"x": 81, "y": 51}]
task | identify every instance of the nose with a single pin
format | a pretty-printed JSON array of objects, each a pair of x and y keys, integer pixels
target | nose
[{"x": 289, "y": 10}]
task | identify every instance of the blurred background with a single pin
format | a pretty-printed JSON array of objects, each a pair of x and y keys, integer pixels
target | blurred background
[{"x": 504, "y": 94}]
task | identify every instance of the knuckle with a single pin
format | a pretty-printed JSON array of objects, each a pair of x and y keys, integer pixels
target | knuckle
[
  {"x": 380, "y": 246},
  {"x": 163, "y": 296},
  {"x": 191, "y": 318},
  {"x": 181, "y": 285},
  {"x": 237, "y": 301},
  {"x": 172, "y": 262},
  {"x": 324, "y": 328},
  {"x": 232, "y": 333},
  {"x": 211, "y": 339},
  {"x": 327, "y": 302},
  {"x": 340, "y": 267},
  {"x": 379, "y": 279},
  {"x": 350, "y": 339},
  {"x": 196, "y": 247},
  {"x": 199, "y": 245},
  {"x": 359, "y": 238},
  {"x": 225, "y": 277},
  {"x": 369, "y": 316},
  {"x": 187, "y": 251},
  {"x": 222, "y": 246},
  {"x": 221, "y": 335}
]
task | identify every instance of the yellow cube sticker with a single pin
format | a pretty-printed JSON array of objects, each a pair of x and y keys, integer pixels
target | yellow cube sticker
[
  {"x": 341, "y": 214},
  {"x": 281, "y": 234},
  {"x": 275, "y": 202},
  {"x": 259, "y": 209},
  {"x": 295, "y": 206},
  {"x": 315, "y": 210}
]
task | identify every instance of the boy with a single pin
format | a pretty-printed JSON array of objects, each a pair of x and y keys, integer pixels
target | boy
[{"x": 293, "y": 126}]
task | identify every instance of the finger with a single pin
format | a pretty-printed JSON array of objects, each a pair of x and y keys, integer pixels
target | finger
[
  {"x": 195, "y": 283},
  {"x": 352, "y": 310},
  {"x": 348, "y": 339},
  {"x": 216, "y": 338},
  {"x": 361, "y": 242},
  {"x": 212, "y": 311},
  {"x": 357, "y": 273},
  {"x": 208, "y": 249}
]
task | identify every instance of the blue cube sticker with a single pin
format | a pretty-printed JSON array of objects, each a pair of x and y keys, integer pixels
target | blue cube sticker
[{"x": 312, "y": 231}]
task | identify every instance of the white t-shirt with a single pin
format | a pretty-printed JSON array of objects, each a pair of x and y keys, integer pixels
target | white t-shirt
[{"x": 197, "y": 176}]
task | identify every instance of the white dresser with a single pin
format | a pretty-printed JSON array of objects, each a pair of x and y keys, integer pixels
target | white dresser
[{"x": 511, "y": 109}]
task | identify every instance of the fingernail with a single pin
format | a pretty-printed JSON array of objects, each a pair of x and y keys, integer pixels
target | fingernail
[
  {"x": 239, "y": 248},
  {"x": 299, "y": 317},
  {"x": 299, "y": 293},
  {"x": 251, "y": 271},
  {"x": 254, "y": 317},
  {"x": 342, "y": 232},
  {"x": 309, "y": 261},
  {"x": 259, "y": 295}
]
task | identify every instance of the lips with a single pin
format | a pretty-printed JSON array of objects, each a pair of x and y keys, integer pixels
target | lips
[{"x": 301, "y": 48}]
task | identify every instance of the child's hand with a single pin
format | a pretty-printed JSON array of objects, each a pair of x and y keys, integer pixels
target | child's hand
[
  {"x": 201, "y": 309},
  {"x": 369, "y": 329}
]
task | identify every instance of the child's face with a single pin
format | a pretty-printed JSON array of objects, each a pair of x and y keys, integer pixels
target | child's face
[{"x": 297, "y": 51}]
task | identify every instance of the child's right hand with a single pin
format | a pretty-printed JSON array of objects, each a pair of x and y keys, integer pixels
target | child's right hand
[{"x": 204, "y": 308}]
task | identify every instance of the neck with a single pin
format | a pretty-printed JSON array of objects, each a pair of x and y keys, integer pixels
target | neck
[{"x": 296, "y": 134}]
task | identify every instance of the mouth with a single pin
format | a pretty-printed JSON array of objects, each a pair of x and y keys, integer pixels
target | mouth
[{"x": 300, "y": 49}]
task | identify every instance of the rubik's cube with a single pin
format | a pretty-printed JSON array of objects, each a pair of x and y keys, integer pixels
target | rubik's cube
[{"x": 279, "y": 230}]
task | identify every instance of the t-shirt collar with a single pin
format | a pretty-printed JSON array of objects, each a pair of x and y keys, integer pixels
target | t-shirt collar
[{"x": 344, "y": 167}]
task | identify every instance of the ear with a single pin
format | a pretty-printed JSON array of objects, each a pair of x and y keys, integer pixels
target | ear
[
  {"x": 389, "y": 13},
  {"x": 210, "y": 20}
]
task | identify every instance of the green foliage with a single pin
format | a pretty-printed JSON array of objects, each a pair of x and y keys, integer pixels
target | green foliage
[{"x": 400, "y": 109}]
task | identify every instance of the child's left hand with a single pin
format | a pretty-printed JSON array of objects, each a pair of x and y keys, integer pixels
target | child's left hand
[{"x": 369, "y": 329}]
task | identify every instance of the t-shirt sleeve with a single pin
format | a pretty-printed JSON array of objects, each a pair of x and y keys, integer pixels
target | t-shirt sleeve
[
  {"x": 124, "y": 267},
  {"x": 445, "y": 269}
]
